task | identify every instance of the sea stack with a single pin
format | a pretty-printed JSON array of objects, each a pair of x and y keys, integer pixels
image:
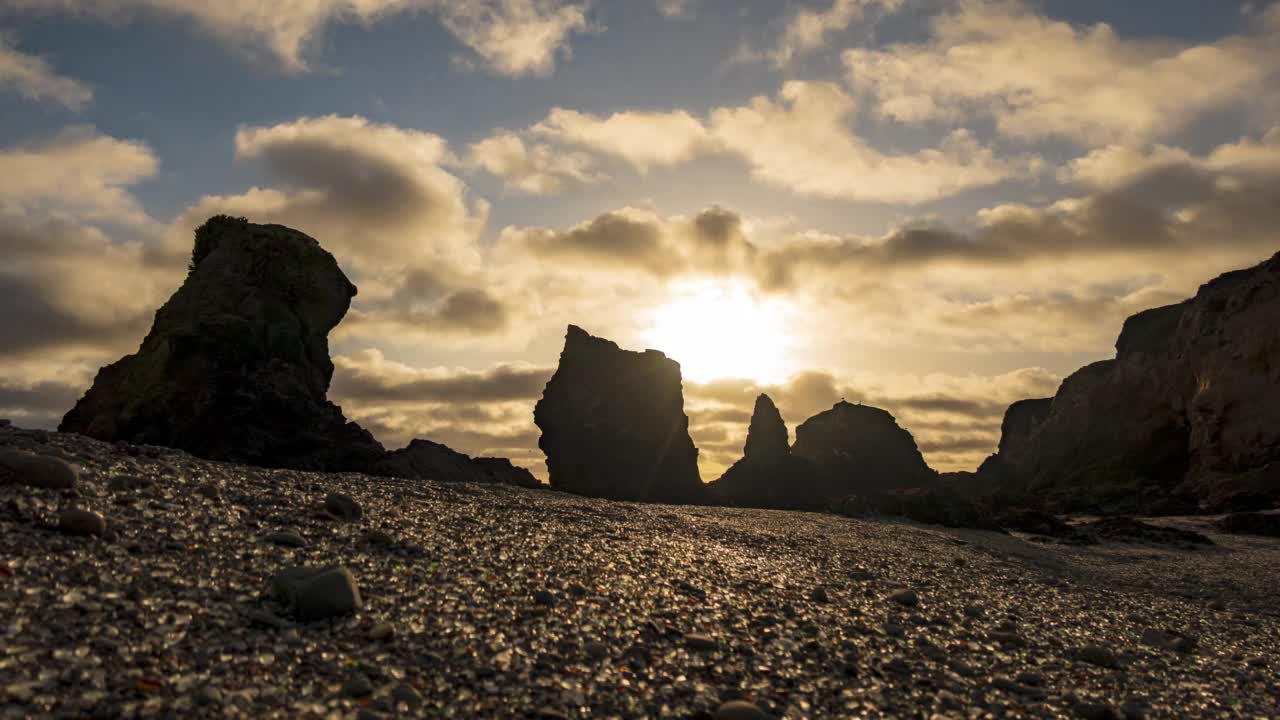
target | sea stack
[
  {"x": 613, "y": 424},
  {"x": 860, "y": 450},
  {"x": 768, "y": 475},
  {"x": 236, "y": 365}
]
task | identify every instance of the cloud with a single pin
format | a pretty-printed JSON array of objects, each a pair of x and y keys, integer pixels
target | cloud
[
  {"x": 637, "y": 240},
  {"x": 1041, "y": 78},
  {"x": 513, "y": 37},
  {"x": 675, "y": 8},
  {"x": 643, "y": 139},
  {"x": 78, "y": 172},
  {"x": 368, "y": 376},
  {"x": 802, "y": 142},
  {"x": 534, "y": 168},
  {"x": 378, "y": 194},
  {"x": 810, "y": 29},
  {"x": 32, "y": 77}
]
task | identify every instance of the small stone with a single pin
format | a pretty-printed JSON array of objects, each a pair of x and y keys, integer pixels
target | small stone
[
  {"x": 1096, "y": 711},
  {"x": 38, "y": 471},
  {"x": 287, "y": 538},
  {"x": 1168, "y": 640},
  {"x": 343, "y": 507},
  {"x": 357, "y": 686},
  {"x": 78, "y": 521},
  {"x": 907, "y": 597},
  {"x": 697, "y": 641},
  {"x": 595, "y": 649},
  {"x": 1031, "y": 678},
  {"x": 317, "y": 594},
  {"x": 379, "y": 537},
  {"x": 1097, "y": 655},
  {"x": 209, "y": 491},
  {"x": 544, "y": 598},
  {"x": 739, "y": 710},
  {"x": 209, "y": 695},
  {"x": 407, "y": 694},
  {"x": 819, "y": 595},
  {"x": 382, "y": 632}
]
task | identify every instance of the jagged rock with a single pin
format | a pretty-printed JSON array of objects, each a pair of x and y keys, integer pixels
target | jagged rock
[
  {"x": 768, "y": 475},
  {"x": 236, "y": 365},
  {"x": 1188, "y": 412},
  {"x": 613, "y": 424},
  {"x": 860, "y": 450},
  {"x": 426, "y": 460}
]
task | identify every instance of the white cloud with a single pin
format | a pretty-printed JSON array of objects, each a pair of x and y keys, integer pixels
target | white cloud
[
  {"x": 643, "y": 139},
  {"x": 514, "y": 37},
  {"x": 810, "y": 29},
  {"x": 1040, "y": 77},
  {"x": 78, "y": 173},
  {"x": 675, "y": 8},
  {"x": 535, "y": 168},
  {"x": 803, "y": 142},
  {"x": 33, "y": 78}
]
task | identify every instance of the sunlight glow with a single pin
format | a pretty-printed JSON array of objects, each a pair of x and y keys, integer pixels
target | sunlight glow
[{"x": 718, "y": 330}]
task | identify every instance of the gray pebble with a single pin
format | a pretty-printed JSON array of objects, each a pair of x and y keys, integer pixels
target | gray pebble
[
  {"x": 595, "y": 649},
  {"x": 544, "y": 598},
  {"x": 38, "y": 471},
  {"x": 343, "y": 507},
  {"x": 739, "y": 710},
  {"x": 1097, "y": 655},
  {"x": 287, "y": 538},
  {"x": 407, "y": 694},
  {"x": 78, "y": 521},
  {"x": 317, "y": 594},
  {"x": 699, "y": 641},
  {"x": 357, "y": 686},
  {"x": 906, "y": 597}
]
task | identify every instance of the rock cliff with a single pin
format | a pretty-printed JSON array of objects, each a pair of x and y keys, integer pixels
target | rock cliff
[
  {"x": 1187, "y": 415},
  {"x": 613, "y": 424},
  {"x": 859, "y": 449},
  {"x": 768, "y": 475},
  {"x": 236, "y": 366}
]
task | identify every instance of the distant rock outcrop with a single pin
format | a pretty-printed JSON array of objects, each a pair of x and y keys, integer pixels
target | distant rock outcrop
[
  {"x": 426, "y": 460},
  {"x": 768, "y": 475},
  {"x": 236, "y": 365},
  {"x": 859, "y": 450},
  {"x": 613, "y": 424},
  {"x": 1186, "y": 415}
]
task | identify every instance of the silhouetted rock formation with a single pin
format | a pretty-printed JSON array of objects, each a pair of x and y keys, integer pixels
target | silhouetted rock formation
[
  {"x": 1187, "y": 413},
  {"x": 613, "y": 424},
  {"x": 860, "y": 450},
  {"x": 236, "y": 365},
  {"x": 426, "y": 460},
  {"x": 768, "y": 475}
]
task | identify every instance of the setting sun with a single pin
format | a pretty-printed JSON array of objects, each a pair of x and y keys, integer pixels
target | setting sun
[{"x": 722, "y": 330}]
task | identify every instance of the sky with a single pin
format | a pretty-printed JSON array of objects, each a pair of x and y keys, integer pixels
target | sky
[{"x": 933, "y": 206}]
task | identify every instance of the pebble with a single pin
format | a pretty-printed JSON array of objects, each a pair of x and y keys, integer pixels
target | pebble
[
  {"x": 1167, "y": 640},
  {"x": 379, "y": 537},
  {"x": 698, "y": 641},
  {"x": 382, "y": 632},
  {"x": 595, "y": 649},
  {"x": 357, "y": 686},
  {"x": 343, "y": 507},
  {"x": 5, "y": 422},
  {"x": 78, "y": 521},
  {"x": 317, "y": 594},
  {"x": 38, "y": 471},
  {"x": 739, "y": 710},
  {"x": 407, "y": 694},
  {"x": 544, "y": 598},
  {"x": 1097, "y": 655},
  {"x": 1096, "y": 711},
  {"x": 287, "y": 538},
  {"x": 819, "y": 595},
  {"x": 907, "y": 597}
]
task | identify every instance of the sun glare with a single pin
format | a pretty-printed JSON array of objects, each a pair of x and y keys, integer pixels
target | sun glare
[{"x": 721, "y": 330}]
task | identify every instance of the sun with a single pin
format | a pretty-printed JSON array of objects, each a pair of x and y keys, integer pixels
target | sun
[{"x": 719, "y": 330}]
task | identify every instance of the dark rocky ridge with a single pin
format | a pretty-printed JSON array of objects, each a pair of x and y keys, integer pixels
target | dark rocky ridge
[
  {"x": 428, "y": 460},
  {"x": 859, "y": 450},
  {"x": 613, "y": 424},
  {"x": 1186, "y": 417},
  {"x": 236, "y": 367},
  {"x": 768, "y": 475}
]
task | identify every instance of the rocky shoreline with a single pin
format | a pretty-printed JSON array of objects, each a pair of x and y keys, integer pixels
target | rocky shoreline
[{"x": 484, "y": 600}]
